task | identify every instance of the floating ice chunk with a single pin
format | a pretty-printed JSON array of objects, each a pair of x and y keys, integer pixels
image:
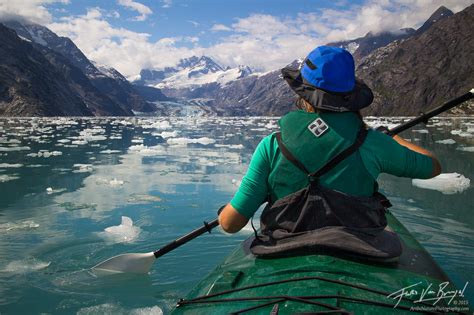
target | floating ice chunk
[
  {"x": 421, "y": 131},
  {"x": 6, "y": 165},
  {"x": 7, "y": 149},
  {"x": 21, "y": 225},
  {"x": 83, "y": 168},
  {"x": 467, "y": 149},
  {"x": 159, "y": 125},
  {"x": 26, "y": 266},
  {"x": 230, "y": 146},
  {"x": 50, "y": 190},
  {"x": 64, "y": 140},
  {"x": 167, "y": 134},
  {"x": 446, "y": 141},
  {"x": 137, "y": 140},
  {"x": 185, "y": 141},
  {"x": 125, "y": 232},
  {"x": 79, "y": 142},
  {"x": 456, "y": 131},
  {"x": 447, "y": 183},
  {"x": 147, "y": 151},
  {"x": 108, "y": 151},
  {"x": 7, "y": 178}
]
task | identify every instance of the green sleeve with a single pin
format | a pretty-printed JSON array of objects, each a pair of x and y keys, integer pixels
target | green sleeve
[
  {"x": 253, "y": 190},
  {"x": 382, "y": 154}
]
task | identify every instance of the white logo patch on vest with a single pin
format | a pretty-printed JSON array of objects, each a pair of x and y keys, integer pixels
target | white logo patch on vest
[{"x": 318, "y": 127}]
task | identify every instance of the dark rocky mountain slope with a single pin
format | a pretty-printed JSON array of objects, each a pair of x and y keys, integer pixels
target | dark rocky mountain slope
[
  {"x": 424, "y": 71},
  {"x": 36, "y": 81},
  {"x": 108, "y": 81}
]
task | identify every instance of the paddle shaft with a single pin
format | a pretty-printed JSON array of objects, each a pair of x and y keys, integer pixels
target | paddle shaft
[
  {"x": 207, "y": 227},
  {"x": 426, "y": 116}
]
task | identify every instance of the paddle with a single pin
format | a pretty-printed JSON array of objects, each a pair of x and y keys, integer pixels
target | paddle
[
  {"x": 141, "y": 263},
  {"x": 426, "y": 116}
]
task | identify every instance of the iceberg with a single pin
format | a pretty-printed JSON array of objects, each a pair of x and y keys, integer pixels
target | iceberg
[
  {"x": 446, "y": 141},
  {"x": 467, "y": 149},
  {"x": 446, "y": 183},
  {"x": 125, "y": 232},
  {"x": 185, "y": 141}
]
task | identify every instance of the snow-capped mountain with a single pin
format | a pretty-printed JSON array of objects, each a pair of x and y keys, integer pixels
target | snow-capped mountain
[
  {"x": 107, "y": 81},
  {"x": 192, "y": 72}
]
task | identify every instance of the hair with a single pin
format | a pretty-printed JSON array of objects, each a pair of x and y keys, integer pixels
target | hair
[{"x": 303, "y": 104}]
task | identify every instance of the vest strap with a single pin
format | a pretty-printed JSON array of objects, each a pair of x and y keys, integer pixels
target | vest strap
[
  {"x": 361, "y": 135},
  {"x": 290, "y": 157}
]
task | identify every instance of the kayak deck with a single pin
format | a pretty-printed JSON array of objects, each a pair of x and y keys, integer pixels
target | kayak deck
[{"x": 317, "y": 283}]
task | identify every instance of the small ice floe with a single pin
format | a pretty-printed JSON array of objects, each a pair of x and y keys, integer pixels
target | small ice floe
[
  {"x": 8, "y": 149},
  {"x": 467, "y": 149},
  {"x": 447, "y": 183},
  {"x": 6, "y": 165},
  {"x": 25, "y": 266},
  {"x": 108, "y": 151},
  {"x": 79, "y": 142},
  {"x": 7, "y": 178},
  {"x": 137, "y": 140},
  {"x": 20, "y": 225},
  {"x": 185, "y": 141},
  {"x": 146, "y": 151},
  {"x": 446, "y": 141},
  {"x": 230, "y": 146},
  {"x": 45, "y": 154},
  {"x": 50, "y": 190},
  {"x": 421, "y": 131},
  {"x": 125, "y": 232},
  {"x": 64, "y": 140},
  {"x": 82, "y": 168},
  {"x": 166, "y": 134}
]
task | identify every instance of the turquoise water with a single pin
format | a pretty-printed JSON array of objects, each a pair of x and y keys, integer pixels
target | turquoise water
[{"x": 64, "y": 181}]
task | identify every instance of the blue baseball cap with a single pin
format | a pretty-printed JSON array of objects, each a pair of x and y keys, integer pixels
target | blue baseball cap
[{"x": 326, "y": 79}]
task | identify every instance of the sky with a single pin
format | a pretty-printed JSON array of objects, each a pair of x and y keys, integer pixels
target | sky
[{"x": 131, "y": 35}]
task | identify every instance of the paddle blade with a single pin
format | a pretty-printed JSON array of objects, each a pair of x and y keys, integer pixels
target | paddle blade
[{"x": 127, "y": 263}]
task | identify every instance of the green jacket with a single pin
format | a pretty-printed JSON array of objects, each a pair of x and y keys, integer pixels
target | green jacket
[{"x": 271, "y": 174}]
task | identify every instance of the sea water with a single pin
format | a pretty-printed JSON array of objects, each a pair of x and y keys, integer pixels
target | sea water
[{"x": 76, "y": 191}]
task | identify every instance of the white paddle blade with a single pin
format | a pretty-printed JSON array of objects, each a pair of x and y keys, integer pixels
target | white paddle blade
[{"x": 127, "y": 263}]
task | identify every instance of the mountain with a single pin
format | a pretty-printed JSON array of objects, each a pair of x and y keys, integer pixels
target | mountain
[
  {"x": 362, "y": 46},
  {"x": 108, "y": 81},
  {"x": 440, "y": 14},
  {"x": 190, "y": 73},
  {"x": 409, "y": 75},
  {"x": 36, "y": 81},
  {"x": 425, "y": 70}
]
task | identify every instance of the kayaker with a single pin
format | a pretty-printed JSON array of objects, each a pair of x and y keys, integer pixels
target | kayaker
[{"x": 326, "y": 123}]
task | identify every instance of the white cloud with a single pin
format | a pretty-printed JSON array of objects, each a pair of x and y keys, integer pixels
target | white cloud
[
  {"x": 194, "y": 23},
  {"x": 220, "y": 27},
  {"x": 261, "y": 41},
  {"x": 125, "y": 50},
  {"x": 136, "y": 6},
  {"x": 30, "y": 10}
]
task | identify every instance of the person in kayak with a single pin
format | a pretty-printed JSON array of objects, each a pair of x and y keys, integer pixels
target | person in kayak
[{"x": 326, "y": 123}]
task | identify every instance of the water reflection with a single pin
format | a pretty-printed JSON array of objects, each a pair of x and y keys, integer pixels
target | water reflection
[{"x": 63, "y": 181}]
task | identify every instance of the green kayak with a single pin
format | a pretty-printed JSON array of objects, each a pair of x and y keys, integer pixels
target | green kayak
[{"x": 324, "y": 284}]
